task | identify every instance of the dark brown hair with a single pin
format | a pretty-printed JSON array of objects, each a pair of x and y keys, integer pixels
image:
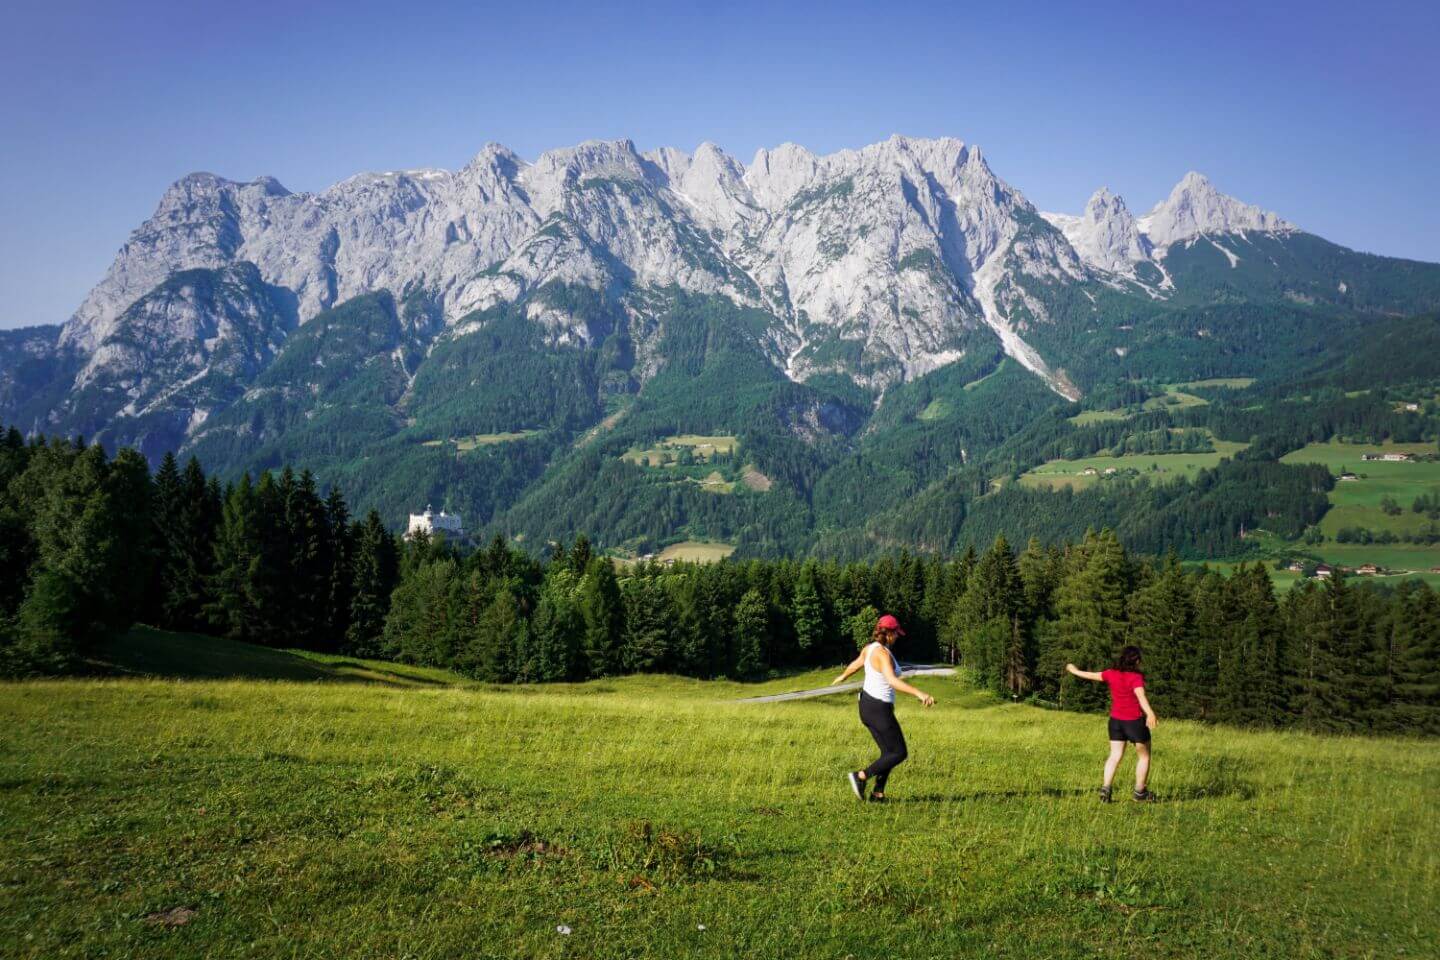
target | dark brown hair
[
  {"x": 1129, "y": 660},
  {"x": 882, "y": 635}
]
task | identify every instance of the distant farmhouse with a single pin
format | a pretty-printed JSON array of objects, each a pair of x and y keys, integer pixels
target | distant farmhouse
[
  {"x": 1323, "y": 571},
  {"x": 1388, "y": 457},
  {"x": 432, "y": 524},
  {"x": 1347, "y": 475}
]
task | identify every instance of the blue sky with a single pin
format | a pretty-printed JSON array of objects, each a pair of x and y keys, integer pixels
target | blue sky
[{"x": 1327, "y": 113}]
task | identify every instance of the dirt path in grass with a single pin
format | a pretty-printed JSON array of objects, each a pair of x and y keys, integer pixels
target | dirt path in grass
[{"x": 906, "y": 670}]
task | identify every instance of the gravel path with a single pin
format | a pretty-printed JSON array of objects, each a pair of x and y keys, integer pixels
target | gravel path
[{"x": 906, "y": 670}]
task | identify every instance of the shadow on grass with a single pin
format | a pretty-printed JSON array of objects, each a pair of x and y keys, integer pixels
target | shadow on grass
[
  {"x": 1221, "y": 777},
  {"x": 1052, "y": 793},
  {"x": 147, "y": 652}
]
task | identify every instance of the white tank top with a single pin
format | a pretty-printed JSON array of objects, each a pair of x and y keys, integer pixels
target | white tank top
[{"x": 875, "y": 683}]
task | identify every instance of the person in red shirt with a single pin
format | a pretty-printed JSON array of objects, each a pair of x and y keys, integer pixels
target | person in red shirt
[{"x": 1131, "y": 718}]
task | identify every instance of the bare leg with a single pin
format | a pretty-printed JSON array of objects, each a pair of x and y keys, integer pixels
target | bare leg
[
  {"x": 1117, "y": 750},
  {"x": 1142, "y": 766}
]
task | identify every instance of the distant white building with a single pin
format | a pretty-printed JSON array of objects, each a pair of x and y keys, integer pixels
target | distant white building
[{"x": 435, "y": 524}]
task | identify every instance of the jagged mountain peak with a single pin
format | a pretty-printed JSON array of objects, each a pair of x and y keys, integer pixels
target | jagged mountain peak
[
  {"x": 1106, "y": 235},
  {"x": 1195, "y": 206}
]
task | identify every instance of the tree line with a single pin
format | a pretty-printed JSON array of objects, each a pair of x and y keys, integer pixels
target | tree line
[{"x": 90, "y": 544}]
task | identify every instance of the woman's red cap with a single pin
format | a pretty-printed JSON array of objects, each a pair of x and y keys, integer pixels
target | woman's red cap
[{"x": 888, "y": 622}]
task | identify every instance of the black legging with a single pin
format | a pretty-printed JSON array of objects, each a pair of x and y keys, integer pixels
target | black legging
[{"x": 879, "y": 718}]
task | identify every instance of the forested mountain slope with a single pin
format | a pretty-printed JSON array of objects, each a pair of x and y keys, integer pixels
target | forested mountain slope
[{"x": 838, "y": 354}]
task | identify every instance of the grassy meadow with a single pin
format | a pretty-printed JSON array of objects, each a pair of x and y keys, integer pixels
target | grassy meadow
[
  {"x": 667, "y": 451},
  {"x": 1356, "y": 503},
  {"x": 1148, "y": 466},
  {"x": 466, "y": 444},
  {"x": 308, "y": 806},
  {"x": 697, "y": 551}
]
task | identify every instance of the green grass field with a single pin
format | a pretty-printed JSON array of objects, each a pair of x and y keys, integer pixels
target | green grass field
[
  {"x": 350, "y": 816},
  {"x": 667, "y": 452},
  {"x": 1087, "y": 417},
  {"x": 1174, "y": 399},
  {"x": 697, "y": 551},
  {"x": 466, "y": 444},
  {"x": 1157, "y": 466},
  {"x": 1214, "y": 383},
  {"x": 1356, "y": 503},
  {"x": 937, "y": 409},
  {"x": 1284, "y": 580}
]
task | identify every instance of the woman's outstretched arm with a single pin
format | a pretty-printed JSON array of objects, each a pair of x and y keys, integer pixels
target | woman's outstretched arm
[
  {"x": 1083, "y": 674},
  {"x": 854, "y": 665}
]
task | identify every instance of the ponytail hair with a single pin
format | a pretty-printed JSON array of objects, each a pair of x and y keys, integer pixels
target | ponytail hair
[
  {"x": 1129, "y": 660},
  {"x": 883, "y": 635}
]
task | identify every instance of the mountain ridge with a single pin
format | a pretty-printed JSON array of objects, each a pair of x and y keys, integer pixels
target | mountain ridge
[{"x": 802, "y": 302}]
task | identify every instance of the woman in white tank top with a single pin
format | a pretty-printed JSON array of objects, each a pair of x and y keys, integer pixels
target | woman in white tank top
[{"x": 877, "y": 707}]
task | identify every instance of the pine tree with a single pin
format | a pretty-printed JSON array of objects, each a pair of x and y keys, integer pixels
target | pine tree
[
  {"x": 648, "y": 619},
  {"x": 189, "y": 549},
  {"x": 167, "y": 506},
  {"x": 556, "y": 629},
  {"x": 1091, "y": 624},
  {"x": 861, "y": 627},
  {"x": 1414, "y": 701},
  {"x": 374, "y": 573},
  {"x": 305, "y": 600},
  {"x": 340, "y": 585},
  {"x": 130, "y": 530},
  {"x": 231, "y": 610},
  {"x": 988, "y": 621},
  {"x": 807, "y": 612},
  {"x": 604, "y": 613},
  {"x": 1162, "y": 622},
  {"x": 751, "y": 633},
  {"x": 488, "y": 650},
  {"x": 425, "y": 624},
  {"x": 581, "y": 555}
]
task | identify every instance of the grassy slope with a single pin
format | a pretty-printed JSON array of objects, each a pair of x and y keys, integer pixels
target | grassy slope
[
  {"x": 1152, "y": 466},
  {"x": 366, "y": 819},
  {"x": 1356, "y": 503}
]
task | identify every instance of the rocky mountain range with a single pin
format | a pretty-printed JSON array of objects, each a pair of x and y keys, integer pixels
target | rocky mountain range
[{"x": 872, "y": 267}]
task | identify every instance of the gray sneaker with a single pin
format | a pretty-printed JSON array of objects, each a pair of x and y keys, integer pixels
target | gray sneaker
[{"x": 856, "y": 784}]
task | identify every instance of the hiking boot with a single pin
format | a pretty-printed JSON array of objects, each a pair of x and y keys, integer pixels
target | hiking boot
[
  {"x": 1142, "y": 796},
  {"x": 856, "y": 784},
  {"x": 1104, "y": 794}
]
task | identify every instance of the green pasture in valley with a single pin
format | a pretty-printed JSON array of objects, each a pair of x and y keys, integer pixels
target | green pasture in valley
[
  {"x": 1150, "y": 467},
  {"x": 465, "y": 444}
]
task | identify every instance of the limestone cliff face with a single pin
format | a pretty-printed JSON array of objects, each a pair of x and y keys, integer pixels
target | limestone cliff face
[{"x": 881, "y": 263}]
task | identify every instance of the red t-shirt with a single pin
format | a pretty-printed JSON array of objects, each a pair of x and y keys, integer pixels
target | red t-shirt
[{"x": 1124, "y": 705}]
